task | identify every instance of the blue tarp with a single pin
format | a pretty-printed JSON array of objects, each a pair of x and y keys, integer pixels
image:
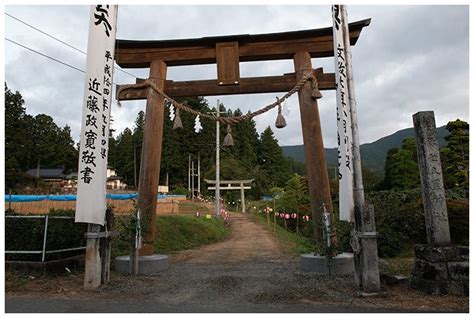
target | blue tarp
[
  {"x": 123, "y": 196},
  {"x": 72, "y": 197},
  {"x": 25, "y": 198}
]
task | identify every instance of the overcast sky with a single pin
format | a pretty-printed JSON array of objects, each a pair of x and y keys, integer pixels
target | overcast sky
[{"x": 410, "y": 58}]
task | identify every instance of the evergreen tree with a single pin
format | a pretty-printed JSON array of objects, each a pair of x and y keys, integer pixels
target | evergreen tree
[
  {"x": 275, "y": 168},
  {"x": 125, "y": 159},
  {"x": 455, "y": 156},
  {"x": 401, "y": 167},
  {"x": 18, "y": 141}
]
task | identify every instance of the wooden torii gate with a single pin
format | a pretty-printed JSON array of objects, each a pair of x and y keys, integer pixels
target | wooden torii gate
[
  {"x": 227, "y": 52},
  {"x": 240, "y": 186}
]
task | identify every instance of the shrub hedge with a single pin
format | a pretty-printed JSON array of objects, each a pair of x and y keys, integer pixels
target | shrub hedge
[{"x": 26, "y": 234}]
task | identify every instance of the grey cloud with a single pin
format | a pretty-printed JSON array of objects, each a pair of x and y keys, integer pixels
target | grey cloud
[{"x": 410, "y": 58}]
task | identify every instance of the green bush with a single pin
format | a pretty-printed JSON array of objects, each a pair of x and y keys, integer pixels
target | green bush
[
  {"x": 180, "y": 190},
  {"x": 400, "y": 219},
  {"x": 173, "y": 233},
  {"x": 27, "y": 234}
]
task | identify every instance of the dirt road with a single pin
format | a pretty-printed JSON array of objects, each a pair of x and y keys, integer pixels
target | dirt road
[{"x": 249, "y": 272}]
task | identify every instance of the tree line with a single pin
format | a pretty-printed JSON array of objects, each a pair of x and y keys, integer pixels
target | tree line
[
  {"x": 34, "y": 141},
  {"x": 401, "y": 164},
  {"x": 253, "y": 155}
]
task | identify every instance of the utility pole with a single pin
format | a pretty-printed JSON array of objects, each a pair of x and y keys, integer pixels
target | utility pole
[
  {"x": 218, "y": 194},
  {"x": 189, "y": 173},
  {"x": 134, "y": 164},
  {"x": 199, "y": 175},
  {"x": 192, "y": 181}
]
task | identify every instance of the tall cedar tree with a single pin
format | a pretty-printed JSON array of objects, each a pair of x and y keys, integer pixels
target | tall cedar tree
[
  {"x": 401, "y": 167},
  {"x": 455, "y": 155},
  {"x": 35, "y": 141},
  {"x": 275, "y": 169}
]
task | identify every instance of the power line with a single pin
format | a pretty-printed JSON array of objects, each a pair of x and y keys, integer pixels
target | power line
[
  {"x": 46, "y": 56},
  {"x": 47, "y": 34},
  {"x": 60, "y": 41}
]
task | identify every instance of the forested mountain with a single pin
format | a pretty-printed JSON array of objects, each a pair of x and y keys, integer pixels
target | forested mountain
[{"x": 373, "y": 154}]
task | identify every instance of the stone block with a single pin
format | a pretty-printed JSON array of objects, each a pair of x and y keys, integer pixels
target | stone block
[
  {"x": 465, "y": 285},
  {"x": 428, "y": 286},
  {"x": 458, "y": 270},
  {"x": 341, "y": 264},
  {"x": 391, "y": 279},
  {"x": 463, "y": 253},
  {"x": 436, "y": 254},
  {"x": 147, "y": 265},
  {"x": 430, "y": 271}
]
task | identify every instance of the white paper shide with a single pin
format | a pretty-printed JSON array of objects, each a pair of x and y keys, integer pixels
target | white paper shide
[{"x": 92, "y": 172}]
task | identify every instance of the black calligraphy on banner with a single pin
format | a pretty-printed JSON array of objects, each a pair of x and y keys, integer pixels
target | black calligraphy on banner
[
  {"x": 337, "y": 16},
  {"x": 86, "y": 174},
  {"x": 101, "y": 16}
]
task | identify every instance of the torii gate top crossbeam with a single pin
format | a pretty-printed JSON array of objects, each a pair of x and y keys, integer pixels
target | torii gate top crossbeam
[
  {"x": 256, "y": 47},
  {"x": 229, "y": 181}
]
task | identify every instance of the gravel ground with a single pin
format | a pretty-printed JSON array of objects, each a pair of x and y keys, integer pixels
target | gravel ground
[{"x": 249, "y": 272}]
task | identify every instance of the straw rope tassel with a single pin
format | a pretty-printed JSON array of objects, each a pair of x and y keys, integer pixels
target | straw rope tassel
[
  {"x": 280, "y": 121},
  {"x": 228, "y": 140},
  {"x": 177, "y": 120}
]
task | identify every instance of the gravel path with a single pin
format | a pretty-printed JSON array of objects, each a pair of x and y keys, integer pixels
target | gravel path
[{"x": 249, "y": 272}]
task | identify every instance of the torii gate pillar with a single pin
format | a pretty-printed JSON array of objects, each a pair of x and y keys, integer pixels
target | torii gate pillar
[
  {"x": 316, "y": 169},
  {"x": 151, "y": 156}
]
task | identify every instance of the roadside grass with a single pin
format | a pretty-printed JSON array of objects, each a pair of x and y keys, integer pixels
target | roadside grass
[
  {"x": 175, "y": 233},
  {"x": 297, "y": 244},
  {"x": 293, "y": 242},
  {"x": 188, "y": 207}
]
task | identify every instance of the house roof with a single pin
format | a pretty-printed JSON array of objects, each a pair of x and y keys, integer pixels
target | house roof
[{"x": 48, "y": 173}]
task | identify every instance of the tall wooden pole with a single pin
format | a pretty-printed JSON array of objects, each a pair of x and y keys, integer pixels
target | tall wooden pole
[
  {"x": 151, "y": 156},
  {"x": 189, "y": 173},
  {"x": 367, "y": 266},
  {"x": 192, "y": 181},
  {"x": 199, "y": 174},
  {"x": 316, "y": 169},
  {"x": 218, "y": 185}
]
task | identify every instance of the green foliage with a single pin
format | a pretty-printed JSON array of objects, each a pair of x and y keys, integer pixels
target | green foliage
[
  {"x": 400, "y": 220},
  {"x": 295, "y": 195},
  {"x": 174, "y": 233},
  {"x": 401, "y": 167},
  {"x": 62, "y": 233},
  {"x": 275, "y": 168},
  {"x": 180, "y": 190},
  {"x": 33, "y": 141},
  {"x": 455, "y": 156}
]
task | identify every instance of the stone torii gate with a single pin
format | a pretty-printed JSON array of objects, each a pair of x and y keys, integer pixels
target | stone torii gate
[
  {"x": 230, "y": 186},
  {"x": 227, "y": 52}
]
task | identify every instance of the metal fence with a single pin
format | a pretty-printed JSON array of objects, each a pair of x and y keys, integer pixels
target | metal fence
[{"x": 43, "y": 251}]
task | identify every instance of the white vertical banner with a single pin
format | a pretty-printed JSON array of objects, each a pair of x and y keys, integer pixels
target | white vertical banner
[
  {"x": 92, "y": 172},
  {"x": 344, "y": 125}
]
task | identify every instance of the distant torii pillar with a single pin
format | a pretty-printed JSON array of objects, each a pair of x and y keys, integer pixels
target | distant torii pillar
[{"x": 230, "y": 186}]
